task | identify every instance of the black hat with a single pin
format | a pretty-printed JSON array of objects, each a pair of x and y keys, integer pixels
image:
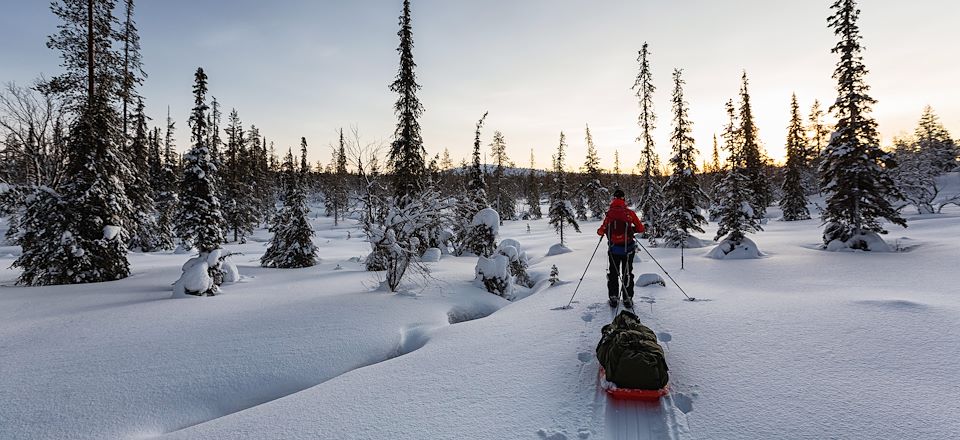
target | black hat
[{"x": 618, "y": 193}]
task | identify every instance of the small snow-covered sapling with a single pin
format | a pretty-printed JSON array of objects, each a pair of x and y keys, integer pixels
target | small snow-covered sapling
[{"x": 554, "y": 275}]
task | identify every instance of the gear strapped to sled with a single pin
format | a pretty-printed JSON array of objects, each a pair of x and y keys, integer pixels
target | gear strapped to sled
[{"x": 630, "y": 356}]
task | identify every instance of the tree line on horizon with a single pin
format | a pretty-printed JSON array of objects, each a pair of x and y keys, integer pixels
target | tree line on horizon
[{"x": 86, "y": 179}]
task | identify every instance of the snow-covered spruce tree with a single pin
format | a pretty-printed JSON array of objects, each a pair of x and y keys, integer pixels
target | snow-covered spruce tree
[
  {"x": 199, "y": 219},
  {"x": 753, "y": 158},
  {"x": 854, "y": 173},
  {"x": 164, "y": 184},
  {"x": 683, "y": 194},
  {"x": 483, "y": 232},
  {"x": 616, "y": 171},
  {"x": 580, "y": 203},
  {"x": 292, "y": 243},
  {"x": 472, "y": 201},
  {"x": 50, "y": 251},
  {"x": 407, "y": 152},
  {"x": 93, "y": 192},
  {"x": 132, "y": 74},
  {"x": 794, "y": 201},
  {"x": 935, "y": 141},
  {"x": 650, "y": 201},
  {"x": 561, "y": 211},
  {"x": 533, "y": 192},
  {"x": 597, "y": 196},
  {"x": 736, "y": 216},
  {"x": 818, "y": 135},
  {"x": 337, "y": 189},
  {"x": 143, "y": 235},
  {"x": 240, "y": 204},
  {"x": 502, "y": 198}
]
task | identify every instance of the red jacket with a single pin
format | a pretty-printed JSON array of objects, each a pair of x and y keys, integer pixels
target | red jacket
[{"x": 620, "y": 213}]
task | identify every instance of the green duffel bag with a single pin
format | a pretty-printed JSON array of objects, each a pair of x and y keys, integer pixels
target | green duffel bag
[{"x": 630, "y": 355}]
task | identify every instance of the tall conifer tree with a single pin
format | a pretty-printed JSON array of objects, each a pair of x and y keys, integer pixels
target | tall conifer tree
[
  {"x": 650, "y": 201},
  {"x": 407, "y": 151},
  {"x": 683, "y": 194},
  {"x": 854, "y": 174},
  {"x": 753, "y": 158},
  {"x": 200, "y": 218},
  {"x": 794, "y": 201}
]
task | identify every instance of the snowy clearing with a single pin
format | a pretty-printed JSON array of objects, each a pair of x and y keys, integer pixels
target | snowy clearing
[{"x": 802, "y": 344}]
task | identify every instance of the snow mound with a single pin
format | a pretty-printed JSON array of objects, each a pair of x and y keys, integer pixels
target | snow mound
[
  {"x": 431, "y": 255},
  {"x": 195, "y": 277},
  {"x": 865, "y": 241},
  {"x": 558, "y": 249},
  {"x": 696, "y": 243},
  {"x": 650, "y": 279},
  {"x": 489, "y": 218},
  {"x": 728, "y": 250},
  {"x": 230, "y": 272}
]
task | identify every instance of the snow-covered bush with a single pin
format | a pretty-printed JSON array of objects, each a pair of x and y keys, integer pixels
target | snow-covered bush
[
  {"x": 494, "y": 273},
  {"x": 554, "y": 275},
  {"x": 396, "y": 239},
  {"x": 482, "y": 238},
  {"x": 518, "y": 261},
  {"x": 728, "y": 249},
  {"x": 202, "y": 275},
  {"x": 864, "y": 241}
]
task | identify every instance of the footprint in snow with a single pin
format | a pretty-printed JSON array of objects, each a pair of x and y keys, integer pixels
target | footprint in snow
[
  {"x": 587, "y": 317},
  {"x": 585, "y": 356},
  {"x": 683, "y": 402},
  {"x": 551, "y": 435}
]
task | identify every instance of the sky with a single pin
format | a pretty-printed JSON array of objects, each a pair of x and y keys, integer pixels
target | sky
[{"x": 309, "y": 67}]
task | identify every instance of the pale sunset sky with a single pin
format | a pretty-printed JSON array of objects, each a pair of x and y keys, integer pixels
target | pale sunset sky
[{"x": 308, "y": 67}]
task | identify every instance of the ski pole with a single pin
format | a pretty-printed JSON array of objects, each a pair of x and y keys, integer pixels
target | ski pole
[
  {"x": 689, "y": 298},
  {"x": 584, "y": 273}
]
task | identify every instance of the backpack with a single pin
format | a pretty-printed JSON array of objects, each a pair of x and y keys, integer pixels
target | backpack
[
  {"x": 630, "y": 354},
  {"x": 620, "y": 229}
]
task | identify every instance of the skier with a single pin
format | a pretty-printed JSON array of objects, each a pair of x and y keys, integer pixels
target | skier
[{"x": 619, "y": 225}]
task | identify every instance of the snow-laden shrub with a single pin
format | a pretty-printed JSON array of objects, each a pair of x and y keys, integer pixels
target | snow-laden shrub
[
  {"x": 518, "y": 261},
  {"x": 395, "y": 237},
  {"x": 494, "y": 273},
  {"x": 728, "y": 249},
  {"x": 554, "y": 275},
  {"x": 864, "y": 241},
  {"x": 482, "y": 238},
  {"x": 204, "y": 274}
]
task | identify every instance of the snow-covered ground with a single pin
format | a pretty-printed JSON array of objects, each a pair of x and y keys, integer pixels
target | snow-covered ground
[{"x": 801, "y": 343}]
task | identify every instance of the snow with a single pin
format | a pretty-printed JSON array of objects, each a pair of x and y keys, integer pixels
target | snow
[
  {"x": 110, "y": 232},
  {"x": 728, "y": 250},
  {"x": 431, "y": 255},
  {"x": 801, "y": 344},
  {"x": 558, "y": 249},
  {"x": 489, "y": 218},
  {"x": 870, "y": 241},
  {"x": 195, "y": 277},
  {"x": 650, "y": 279}
]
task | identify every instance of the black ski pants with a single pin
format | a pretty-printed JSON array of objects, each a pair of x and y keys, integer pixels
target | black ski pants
[{"x": 618, "y": 263}]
